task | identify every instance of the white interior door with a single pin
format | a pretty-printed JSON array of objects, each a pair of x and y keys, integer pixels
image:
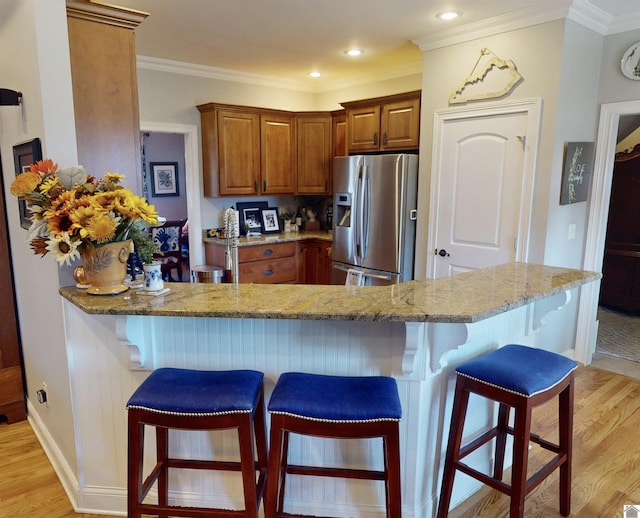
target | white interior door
[{"x": 482, "y": 185}]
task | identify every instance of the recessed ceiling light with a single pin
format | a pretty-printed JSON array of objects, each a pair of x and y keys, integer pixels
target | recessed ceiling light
[
  {"x": 448, "y": 15},
  {"x": 354, "y": 52},
  {"x": 315, "y": 74}
]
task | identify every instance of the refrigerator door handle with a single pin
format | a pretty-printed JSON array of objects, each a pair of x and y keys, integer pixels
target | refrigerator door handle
[
  {"x": 359, "y": 217},
  {"x": 366, "y": 205}
]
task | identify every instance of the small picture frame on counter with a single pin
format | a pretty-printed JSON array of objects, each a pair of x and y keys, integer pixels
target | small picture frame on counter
[
  {"x": 270, "y": 221},
  {"x": 251, "y": 216}
]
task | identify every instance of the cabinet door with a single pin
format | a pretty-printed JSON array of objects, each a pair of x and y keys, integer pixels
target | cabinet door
[
  {"x": 314, "y": 154},
  {"x": 305, "y": 263},
  {"x": 278, "y": 154},
  {"x": 400, "y": 125},
  {"x": 323, "y": 263},
  {"x": 363, "y": 129},
  {"x": 339, "y": 134},
  {"x": 238, "y": 143},
  {"x": 314, "y": 262}
]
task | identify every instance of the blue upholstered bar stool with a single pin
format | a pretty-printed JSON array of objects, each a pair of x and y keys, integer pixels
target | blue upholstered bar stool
[
  {"x": 338, "y": 407},
  {"x": 521, "y": 378},
  {"x": 197, "y": 400}
]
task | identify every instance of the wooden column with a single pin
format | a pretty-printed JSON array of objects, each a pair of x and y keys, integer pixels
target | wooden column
[{"x": 105, "y": 87}]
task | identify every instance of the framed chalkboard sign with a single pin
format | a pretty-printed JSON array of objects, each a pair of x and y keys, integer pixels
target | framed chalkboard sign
[{"x": 576, "y": 175}]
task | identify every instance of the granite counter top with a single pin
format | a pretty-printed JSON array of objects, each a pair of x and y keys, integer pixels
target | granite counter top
[
  {"x": 464, "y": 298},
  {"x": 283, "y": 237}
]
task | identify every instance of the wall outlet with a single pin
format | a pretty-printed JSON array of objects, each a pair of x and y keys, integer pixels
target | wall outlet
[{"x": 42, "y": 394}]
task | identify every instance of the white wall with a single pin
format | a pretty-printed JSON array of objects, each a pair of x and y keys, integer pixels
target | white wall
[
  {"x": 614, "y": 86},
  {"x": 35, "y": 31},
  {"x": 331, "y": 100},
  {"x": 576, "y": 120},
  {"x": 167, "y": 147}
]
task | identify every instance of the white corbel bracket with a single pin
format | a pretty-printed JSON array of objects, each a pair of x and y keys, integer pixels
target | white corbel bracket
[
  {"x": 136, "y": 353},
  {"x": 538, "y": 311},
  {"x": 440, "y": 338},
  {"x": 443, "y": 338},
  {"x": 414, "y": 338}
]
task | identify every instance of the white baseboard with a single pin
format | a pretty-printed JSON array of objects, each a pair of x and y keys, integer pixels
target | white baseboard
[{"x": 94, "y": 500}]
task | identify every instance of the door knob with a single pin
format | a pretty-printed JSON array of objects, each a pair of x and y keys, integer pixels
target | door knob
[{"x": 442, "y": 252}]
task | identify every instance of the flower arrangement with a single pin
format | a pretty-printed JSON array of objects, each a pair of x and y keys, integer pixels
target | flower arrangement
[{"x": 73, "y": 212}]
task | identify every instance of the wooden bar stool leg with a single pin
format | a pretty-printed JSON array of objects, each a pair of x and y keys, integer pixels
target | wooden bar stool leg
[
  {"x": 521, "y": 436},
  {"x": 501, "y": 441},
  {"x": 260, "y": 432},
  {"x": 391, "y": 445},
  {"x": 284, "y": 463},
  {"x": 458, "y": 414},
  {"x": 162, "y": 454},
  {"x": 274, "y": 480},
  {"x": 247, "y": 466},
  {"x": 135, "y": 460},
  {"x": 565, "y": 408}
]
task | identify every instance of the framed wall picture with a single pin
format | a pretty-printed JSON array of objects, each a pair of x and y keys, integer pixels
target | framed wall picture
[
  {"x": 576, "y": 175},
  {"x": 164, "y": 179},
  {"x": 270, "y": 221},
  {"x": 24, "y": 155},
  {"x": 251, "y": 216}
]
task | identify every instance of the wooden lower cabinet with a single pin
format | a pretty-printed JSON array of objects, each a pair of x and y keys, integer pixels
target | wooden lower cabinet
[
  {"x": 302, "y": 262},
  {"x": 314, "y": 262},
  {"x": 260, "y": 264}
]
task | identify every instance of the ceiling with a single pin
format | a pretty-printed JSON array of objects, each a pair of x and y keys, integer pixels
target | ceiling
[{"x": 287, "y": 39}]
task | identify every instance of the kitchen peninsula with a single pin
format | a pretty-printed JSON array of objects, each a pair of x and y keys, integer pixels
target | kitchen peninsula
[{"x": 416, "y": 332}]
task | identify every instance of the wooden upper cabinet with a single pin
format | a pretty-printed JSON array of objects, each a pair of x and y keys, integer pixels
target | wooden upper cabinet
[
  {"x": 238, "y": 146},
  {"x": 339, "y": 133},
  {"x": 384, "y": 123},
  {"x": 400, "y": 125},
  {"x": 363, "y": 129},
  {"x": 314, "y": 153},
  {"x": 249, "y": 151},
  {"x": 278, "y": 153}
]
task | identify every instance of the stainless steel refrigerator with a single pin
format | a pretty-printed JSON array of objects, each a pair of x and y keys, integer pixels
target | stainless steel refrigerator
[{"x": 374, "y": 223}]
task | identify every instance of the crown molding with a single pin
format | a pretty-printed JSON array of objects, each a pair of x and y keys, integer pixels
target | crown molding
[
  {"x": 590, "y": 16},
  {"x": 100, "y": 12},
  {"x": 225, "y": 74},
  {"x": 579, "y": 11},
  {"x": 491, "y": 26},
  {"x": 594, "y": 18}
]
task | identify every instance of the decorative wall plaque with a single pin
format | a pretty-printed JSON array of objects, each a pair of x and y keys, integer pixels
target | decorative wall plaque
[{"x": 491, "y": 77}]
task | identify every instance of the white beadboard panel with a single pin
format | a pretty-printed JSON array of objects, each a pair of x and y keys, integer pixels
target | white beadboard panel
[{"x": 104, "y": 373}]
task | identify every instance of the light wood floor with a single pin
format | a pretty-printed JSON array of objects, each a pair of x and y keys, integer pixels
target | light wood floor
[{"x": 606, "y": 466}]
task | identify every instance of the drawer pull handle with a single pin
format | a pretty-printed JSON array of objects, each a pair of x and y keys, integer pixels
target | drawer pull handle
[
  {"x": 268, "y": 272},
  {"x": 268, "y": 251}
]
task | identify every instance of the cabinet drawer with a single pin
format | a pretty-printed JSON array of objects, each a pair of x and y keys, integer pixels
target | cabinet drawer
[
  {"x": 248, "y": 254},
  {"x": 271, "y": 271}
]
